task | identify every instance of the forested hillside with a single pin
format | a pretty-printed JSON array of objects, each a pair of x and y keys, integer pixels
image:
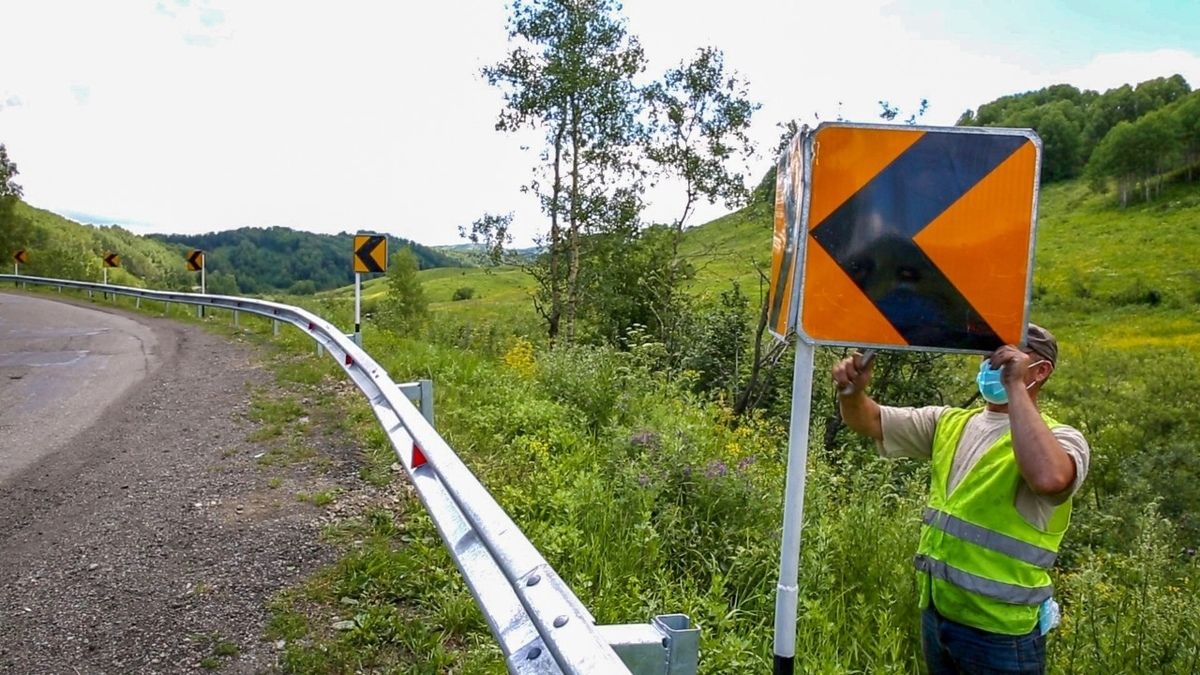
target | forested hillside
[
  {"x": 1132, "y": 136},
  {"x": 278, "y": 259},
  {"x": 64, "y": 249}
]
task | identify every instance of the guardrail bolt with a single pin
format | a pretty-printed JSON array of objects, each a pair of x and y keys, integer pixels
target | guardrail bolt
[
  {"x": 560, "y": 622},
  {"x": 533, "y": 580},
  {"x": 533, "y": 654}
]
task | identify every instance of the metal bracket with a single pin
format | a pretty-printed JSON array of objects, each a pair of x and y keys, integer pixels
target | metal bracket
[
  {"x": 421, "y": 390},
  {"x": 665, "y": 646}
]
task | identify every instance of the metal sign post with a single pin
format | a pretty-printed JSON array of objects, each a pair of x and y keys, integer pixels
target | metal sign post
[
  {"x": 787, "y": 593},
  {"x": 358, "y": 309},
  {"x": 196, "y": 263},
  {"x": 916, "y": 238},
  {"x": 370, "y": 257}
]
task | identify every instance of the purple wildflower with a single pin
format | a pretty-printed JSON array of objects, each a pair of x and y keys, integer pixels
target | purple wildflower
[
  {"x": 716, "y": 469},
  {"x": 745, "y": 462},
  {"x": 643, "y": 480},
  {"x": 646, "y": 439}
]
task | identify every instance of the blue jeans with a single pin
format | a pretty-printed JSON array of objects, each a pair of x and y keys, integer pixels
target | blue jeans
[{"x": 952, "y": 648}]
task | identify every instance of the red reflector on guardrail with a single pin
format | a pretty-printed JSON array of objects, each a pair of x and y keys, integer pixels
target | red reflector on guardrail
[
  {"x": 349, "y": 360},
  {"x": 418, "y": 460}
]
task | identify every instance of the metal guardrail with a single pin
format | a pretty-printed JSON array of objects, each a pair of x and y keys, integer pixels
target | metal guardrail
[{"x": 541, "y": 626}]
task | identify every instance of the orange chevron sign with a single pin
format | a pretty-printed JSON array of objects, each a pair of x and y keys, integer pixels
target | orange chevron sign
[
  {"x": 919, "y": 237},
  {"x": 112, "y": 260},
  {"x": 21, "y": 257}
]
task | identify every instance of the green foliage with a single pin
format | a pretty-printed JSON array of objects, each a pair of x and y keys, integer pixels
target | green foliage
[
  {"x": 463, "y": 293},
  {"x": 304, "y": 287},
  {"x": 1074, "y": 126},
  {"x": 648, "y": 499},
  {"x": 698, "y": 119},
  {"x": 65, "y": 249},
  {"x": 276, "y": 259},
  {"x": 14, "y": 229},
  {"x": 572, "y": 78},
  {"x": 404, "y": 307},
  {"x": 715, "y": 343}
]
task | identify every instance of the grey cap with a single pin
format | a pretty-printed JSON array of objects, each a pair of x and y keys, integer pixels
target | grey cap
[{"x": 1042, "y": 342}]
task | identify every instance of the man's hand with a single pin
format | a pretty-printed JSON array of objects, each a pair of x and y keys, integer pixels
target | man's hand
[
  {"x": 853, "y": 373},
  {"x": 859, "y": 412},
  {"x": 1041, "y": 459},
  {"x": 1015, "y": 363}
]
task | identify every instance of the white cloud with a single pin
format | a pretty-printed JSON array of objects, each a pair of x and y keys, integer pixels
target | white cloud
[{"x": 198, "y": 116}]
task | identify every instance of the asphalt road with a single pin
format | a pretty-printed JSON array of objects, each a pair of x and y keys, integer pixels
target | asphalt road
[{"x": 61, "y": 366}]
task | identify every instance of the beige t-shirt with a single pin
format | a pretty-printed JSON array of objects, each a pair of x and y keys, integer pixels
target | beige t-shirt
[{"x": 908, "y": 432}]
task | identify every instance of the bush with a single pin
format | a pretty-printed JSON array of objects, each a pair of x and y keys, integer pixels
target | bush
[
  {"x": 464, "y": 293},
  {"x": 303, "y": 287}
]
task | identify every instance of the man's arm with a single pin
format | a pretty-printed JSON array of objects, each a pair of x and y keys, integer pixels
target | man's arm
[
  {"x": 1044, "y": 463},
  {"x": 859, "y": 411}
]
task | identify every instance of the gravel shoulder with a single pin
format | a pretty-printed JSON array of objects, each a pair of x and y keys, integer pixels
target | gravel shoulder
[{"x": 153, "y": 539}]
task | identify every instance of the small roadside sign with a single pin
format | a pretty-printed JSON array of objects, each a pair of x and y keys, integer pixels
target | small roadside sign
[
  {"x": 370, "y": 253},
  {"x": 21, "y": 257},
  {"x": 195, "y": 261},
  {"x": 112, "y": 260}
]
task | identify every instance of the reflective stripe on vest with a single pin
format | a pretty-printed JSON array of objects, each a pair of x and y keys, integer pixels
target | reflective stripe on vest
[
  {"x": 989, "y": 539},
  {"x": 996, "y": 590}
]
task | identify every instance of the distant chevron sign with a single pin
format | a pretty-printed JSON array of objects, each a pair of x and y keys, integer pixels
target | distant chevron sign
[{"x": 370, "y": 253}]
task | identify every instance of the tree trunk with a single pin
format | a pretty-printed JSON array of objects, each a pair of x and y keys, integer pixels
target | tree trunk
[
  {"x": 573, "y": 220},
  {"x": 555, "y": 284}
]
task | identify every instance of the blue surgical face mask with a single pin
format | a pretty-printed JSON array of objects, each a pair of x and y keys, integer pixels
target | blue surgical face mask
[{"x": 990, "y": 386}]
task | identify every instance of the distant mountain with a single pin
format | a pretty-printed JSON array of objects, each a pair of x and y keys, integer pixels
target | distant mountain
[{"x": 279, "y": 259}]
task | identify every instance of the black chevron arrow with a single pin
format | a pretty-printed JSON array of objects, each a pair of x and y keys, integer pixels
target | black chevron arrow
[
  {"x": 112, "y": 260},
  {"x": 366, "y": 250},
  {"x": 195, "y": 261},
  {"x": 870, "y": 237}
]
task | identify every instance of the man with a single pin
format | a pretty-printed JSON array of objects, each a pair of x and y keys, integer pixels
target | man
[{"x": 1002, "y": 480}]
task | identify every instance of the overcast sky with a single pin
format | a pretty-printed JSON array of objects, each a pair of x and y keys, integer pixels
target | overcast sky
[{"x": 202, "y": 115}]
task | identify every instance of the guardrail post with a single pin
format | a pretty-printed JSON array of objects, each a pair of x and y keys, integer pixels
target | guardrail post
[
  {"x": 236, "y": 319},
  {"x": 275, "y": 326},
  {"x": 668, "y": 645},
  {"x": 420, "y": 392},
  {"x": 426, "y": 399},
  {"x": 137, "y": 302}
]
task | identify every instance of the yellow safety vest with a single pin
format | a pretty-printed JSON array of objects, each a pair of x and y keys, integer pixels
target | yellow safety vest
[{"x": 979, "y": 561}]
